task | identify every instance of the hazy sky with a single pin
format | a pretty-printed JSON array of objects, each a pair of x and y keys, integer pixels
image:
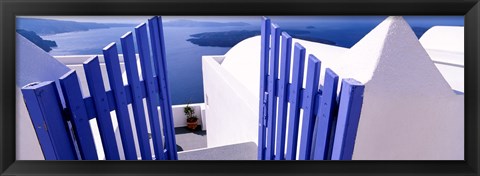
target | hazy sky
[{"x": 141, "y": 19}]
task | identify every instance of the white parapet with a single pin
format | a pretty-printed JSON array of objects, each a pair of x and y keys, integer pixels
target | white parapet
[{"x": 179, "y": 117}]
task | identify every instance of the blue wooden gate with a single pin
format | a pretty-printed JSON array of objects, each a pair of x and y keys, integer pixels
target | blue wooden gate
[
  {"x": 61, "y": 117},
  {"x": 329, "y": 123}
]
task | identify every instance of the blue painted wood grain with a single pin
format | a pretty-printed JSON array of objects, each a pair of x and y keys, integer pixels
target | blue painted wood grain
[
  {"x": 152, "y": 101},
  {"x": 121, "y": 104},
  {"x": 160, "y": 65},
  {"x": 297, "y": 80},
  {"x": 45, "y": 110},
  {"x": 326, "y": 117},
  {"x": 272, "y": 92},
  {"x": 283, "y": 83},
  {"x": 311, "y": 89},
  {"x": 351, "y": 100},
  {"x": 167, "y": 102},
  {"x": 111, "y": 99},
  {"x": 264, "y": 57},
  {"x": 137, "y": 98},
  {"x": 78, "y": 115},
  {"x": 104, "y": 120}
]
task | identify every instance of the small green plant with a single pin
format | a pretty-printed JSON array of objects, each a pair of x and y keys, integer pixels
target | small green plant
[{"x": 189, "y": 111}]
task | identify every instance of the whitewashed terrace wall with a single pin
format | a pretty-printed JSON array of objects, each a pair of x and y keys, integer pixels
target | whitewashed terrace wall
[{"x": 231, "y": 110}]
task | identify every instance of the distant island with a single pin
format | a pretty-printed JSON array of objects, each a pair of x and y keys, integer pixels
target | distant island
[
  {"x": 48, "y": 26},
  {"x": 32, "y": 28},
  {"x": 46, "y": 45},
  {"x": 231, "y": 38},
  {"x": 191, "y": 23}
]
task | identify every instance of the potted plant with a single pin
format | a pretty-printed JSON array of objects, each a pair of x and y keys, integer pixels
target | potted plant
[{"x": 192, "y": 120}]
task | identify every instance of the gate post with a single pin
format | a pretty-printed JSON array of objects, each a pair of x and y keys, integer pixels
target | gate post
[{"x": 45, "y": 109}]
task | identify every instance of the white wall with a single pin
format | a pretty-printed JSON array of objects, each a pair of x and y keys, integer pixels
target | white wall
[
  {"x": 179, "y": 117},
  {"x": 410, "y": 112},
  {"x": 231, "y": 109}
]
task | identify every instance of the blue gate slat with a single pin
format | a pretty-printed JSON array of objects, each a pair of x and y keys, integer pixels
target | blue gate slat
[
  {"x": 317, "y": 100},
  {"x": 78, "y": 115},
  {"x": 45, "y": 110},
  {"x": 272, "y": 92},
  {"x": 152, "y": 101},
  {"x": 121, "y": 105},
  {"x": 128, "y": 91},
  {"x": 301, "y": 94},
  {"x": 111, "y": 99},
  {"x": 112, "y": 104},
  {"x": 104, "y": 121},
  {"x": 265, "y": 47},
  {"x": 313, "y": 76},
  {"x": 167, "y": 102},
  {"x": 326, "y": 115},
  {"x": 137, "y": 98},
  {"x": 90, "y": 107},
  {"x": 160, "y": 65},
  {"x": 297, "y": 80},
  {"x": 301, "y": 101},
  {"x": 283, "y": 95},
  {"x": 164, "y": 111},
  {"x": 350, "y": 105}
]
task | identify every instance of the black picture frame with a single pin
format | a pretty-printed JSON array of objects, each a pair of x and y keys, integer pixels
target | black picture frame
[{"x": 9, "y": 9}]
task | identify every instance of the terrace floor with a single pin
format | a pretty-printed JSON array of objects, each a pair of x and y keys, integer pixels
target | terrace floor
[
  {"x": 188, "y": 140},
  {"x": 192, "y": 145}
]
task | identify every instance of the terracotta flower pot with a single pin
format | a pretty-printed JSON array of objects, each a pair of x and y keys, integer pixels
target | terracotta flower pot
[{"x": 192, "y": 123}]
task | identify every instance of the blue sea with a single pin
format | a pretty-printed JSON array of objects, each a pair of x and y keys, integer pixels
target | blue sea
[{"x": 184, "y": 58}]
